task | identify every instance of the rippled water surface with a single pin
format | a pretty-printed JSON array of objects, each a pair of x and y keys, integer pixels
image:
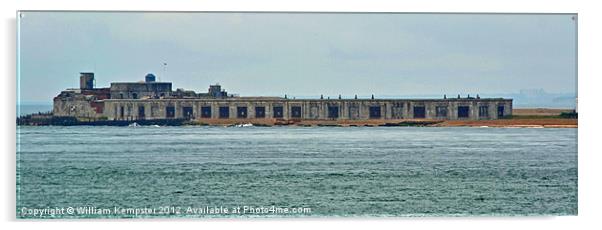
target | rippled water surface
[{"x": 334, "y": 171}]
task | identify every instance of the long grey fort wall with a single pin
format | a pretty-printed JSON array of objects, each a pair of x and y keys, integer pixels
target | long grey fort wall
[{"x": 318, "y": 109}]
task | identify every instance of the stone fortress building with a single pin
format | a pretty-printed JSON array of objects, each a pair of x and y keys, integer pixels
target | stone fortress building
[{"x": 149, "y": 99}]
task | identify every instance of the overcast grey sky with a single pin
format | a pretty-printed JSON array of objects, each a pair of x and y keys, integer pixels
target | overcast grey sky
[{"x": 300, "y": 54}]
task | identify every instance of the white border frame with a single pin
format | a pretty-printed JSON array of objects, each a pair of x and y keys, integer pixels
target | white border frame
[{"x": 589, "y": 41}]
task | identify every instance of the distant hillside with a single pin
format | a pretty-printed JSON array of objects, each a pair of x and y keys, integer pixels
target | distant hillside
[{"x": 538, "y": 98}]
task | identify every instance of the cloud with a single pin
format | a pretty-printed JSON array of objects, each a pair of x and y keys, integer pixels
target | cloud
[{"x": 301, "y": 53}]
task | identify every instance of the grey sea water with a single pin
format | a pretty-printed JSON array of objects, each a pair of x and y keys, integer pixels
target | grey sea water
[{"x": 333, "y": 171}]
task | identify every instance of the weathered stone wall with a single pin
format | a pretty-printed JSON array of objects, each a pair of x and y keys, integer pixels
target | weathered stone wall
[
  {"x": 348, "y": 109},
  {"x": 80, "y": 106}
]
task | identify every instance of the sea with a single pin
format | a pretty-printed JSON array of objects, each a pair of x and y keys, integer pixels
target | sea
[{"x": 240, "y": 172}]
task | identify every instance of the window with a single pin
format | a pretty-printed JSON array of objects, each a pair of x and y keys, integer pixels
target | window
[
  {"x": 259, "y": 112},
  {"x": 121, "y": 96},
  {"x": 170, "y": 111},
  {"x": 135, "y": 95},
  {"x": 241, "y": 112},
  {"x": 296, "y": 111},
  {"x": 224, "y": 112},
  {"x": 374, "y": 112},
  {"x": 278, "y": 112},
  {"x": 500, "y": 111},
  {"x": 441, "y": 111},
  {"x": 483, "y": 111},
  {"x": 333, "y": 112},
  {"x": 187, "y": 112},
  {"x": 463, "y": 111},
  {"x": 141, "y": 112},
  {"x": 419, "y": 112},
  {"x": 206, "y": 112}
]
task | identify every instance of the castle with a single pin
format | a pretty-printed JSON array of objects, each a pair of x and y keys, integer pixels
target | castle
[{"x": 149, "y": 99}]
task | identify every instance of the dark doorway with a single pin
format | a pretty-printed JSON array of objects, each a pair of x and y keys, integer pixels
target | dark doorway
[
  {"x": 187, "y": 112},
  {"x": 206, "y": 112},
  {"x": 296, "y": 111},
  {"x": 333, "y": 112},
  {"x": 170, "y": 111},
  {"x": 500, "y": 111},
  {"x": 259, "y": 112},
  {"x": 278, "y": 112},
  {"x": 141, "y": 112},
  {"x": 121, "y": 112},
  {"x": 241, "y": 112},
  {"x": 375, "y": 112},
  {"x": 224, "y": 112},
  {"x": 419, "y": 112},
  {"x": 463, "y": 111}
]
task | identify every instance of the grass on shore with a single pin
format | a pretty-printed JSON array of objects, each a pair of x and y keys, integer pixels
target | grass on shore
[{"x": 563, "y": 115}]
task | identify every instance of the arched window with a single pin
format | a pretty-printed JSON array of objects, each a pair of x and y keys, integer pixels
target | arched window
[{"x": 135, "y": 95}]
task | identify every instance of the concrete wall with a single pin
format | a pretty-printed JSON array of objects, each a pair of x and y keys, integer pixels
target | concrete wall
[
  {"x": 349, "y": 109},
  {"x": 141, "y": 89}
]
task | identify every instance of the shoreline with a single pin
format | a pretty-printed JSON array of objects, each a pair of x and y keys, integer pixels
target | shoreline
[
  {"x": 517, "y": 123},
  {"x": 501, "y": 123},
  {"x": 522, "y": 118}
]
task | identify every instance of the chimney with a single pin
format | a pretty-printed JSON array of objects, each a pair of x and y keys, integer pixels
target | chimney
[{"x": 86, "y": 80}]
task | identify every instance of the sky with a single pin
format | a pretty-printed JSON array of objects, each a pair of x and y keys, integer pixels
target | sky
[{"x": 300, "y": 54}]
